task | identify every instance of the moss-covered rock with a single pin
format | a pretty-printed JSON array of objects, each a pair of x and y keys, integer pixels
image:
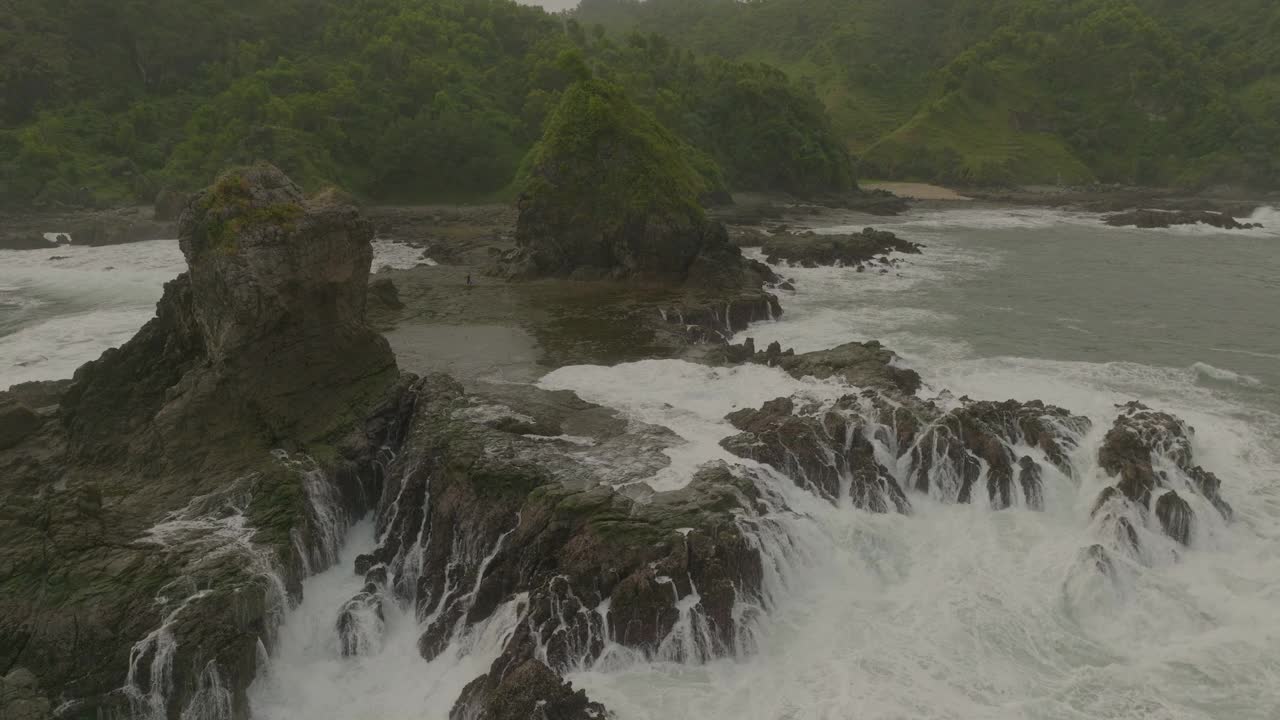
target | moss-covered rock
[
  {"x": 161, "y": 513},
  {"x": 608, "y": 192}
]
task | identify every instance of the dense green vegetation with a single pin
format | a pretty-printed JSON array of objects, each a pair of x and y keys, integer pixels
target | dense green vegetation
[
  {"x": 603, "y": 161},
  {"x": 396, "y": 100},
  {"x": 1013, "y": 91}
]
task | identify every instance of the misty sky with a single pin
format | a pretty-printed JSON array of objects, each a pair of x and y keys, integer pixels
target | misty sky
[{"x": 552, "y": 4}]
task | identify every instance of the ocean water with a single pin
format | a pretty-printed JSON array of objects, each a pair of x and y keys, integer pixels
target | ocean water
[{"x": 954, "y": 612}]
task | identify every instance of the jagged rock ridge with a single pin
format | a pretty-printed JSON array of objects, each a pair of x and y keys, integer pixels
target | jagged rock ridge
[
  {"x": 1150, "y": 455},
  {"x": 161, "y": 514}
]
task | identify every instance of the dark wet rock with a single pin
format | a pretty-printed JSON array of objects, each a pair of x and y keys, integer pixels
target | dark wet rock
[
  {"x": 21, "y": 699},
  {"x": 955, "y": 450},
  {"x": 364, "y": 563},
  {"x": 702, "y": 319},
  {"x": 1031, "y": 478},
  {"x": 1170, "y": 218},
  {"x": 169, "y": 205},
  {"x": 442, "y": 252},
  {"x": 37, "y": 395},
  {"x": 1138, "y": 438},
  {"x": 1150, "y": 454},
  {"x": 266, "y": 330},
  {"x": 202, "y": 469},
  {"x": 1097, "y": 556},
  {"x": 867, "y": 365},
  {"x": 384, "y": 292},
  {"x": 523, "y": 689},
  {"x": 1107, "y": 496},
  {"x": 17, "y": 422},
  {"x": 360, "y": 620},
  {"x": 1175, "y": 516},
  {"x": 510, "y": 514},
  {"x": 811, "y": 249},
  {"x": 823, "y": 450},
  {"x": 93, "y": 228},
  {"x": 832, "y": 449},
  {"x": 1127, "y": 536},
  {"x": 118, "y": 228}
]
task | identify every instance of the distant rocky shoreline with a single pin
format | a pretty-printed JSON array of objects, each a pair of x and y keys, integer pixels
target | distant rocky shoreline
[{"x": 24, "y": 231}]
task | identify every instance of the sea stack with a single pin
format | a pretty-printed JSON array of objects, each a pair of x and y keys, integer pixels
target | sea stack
[
  {"x": 159, "y": 512},
  {"x": 612, "y": 194}
]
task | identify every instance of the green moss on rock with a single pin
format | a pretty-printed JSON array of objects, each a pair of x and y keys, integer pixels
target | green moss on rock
[
  {"x": 603, "y": 159},
  {"x": 230, "y": 210}
]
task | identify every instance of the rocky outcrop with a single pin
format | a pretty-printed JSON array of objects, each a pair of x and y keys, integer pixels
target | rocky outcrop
[
  {"x": 703, "y": 319},
  {"x": 385, "y": 293},
  {"x": 494, "y": 515},
  {"x": 1002, "y": 445},
  {"x": 612, "y": 194},
  {"x": 265, "y": 331},
  {"x": 1150, "y": 455},
  {"x": 17, "y": 422},
  {"x": 810, "y": 249},
  {"x": 522, "y": 689},
  {"x": 825, "y": 450},
  {"x": 864, "y": 365},
  {"x": 479, "y": 512},
  {"x": 868, "y": 448},
  {"x": 160, "y": 518},
  {"x": 1170, "y": 218},
  {"x": 21, "y": 698}
]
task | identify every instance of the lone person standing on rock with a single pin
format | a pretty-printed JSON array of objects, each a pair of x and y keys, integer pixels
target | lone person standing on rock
[{"x": 468, "y": 279}]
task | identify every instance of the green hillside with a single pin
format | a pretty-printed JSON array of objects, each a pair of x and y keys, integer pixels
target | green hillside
[
  {"x": 1172, "y": 92},
  {"x": 395, "y": 100}
]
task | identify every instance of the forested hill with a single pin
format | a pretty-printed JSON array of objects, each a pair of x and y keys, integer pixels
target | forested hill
[
  {"x": 395, "y": 100},
  {"x": 1169, "y": 92}
]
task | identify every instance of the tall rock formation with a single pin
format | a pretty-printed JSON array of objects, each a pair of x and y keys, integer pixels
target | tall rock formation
[
  {"x": 611, "y": 193},
  {"x": 158, "y": 513}
]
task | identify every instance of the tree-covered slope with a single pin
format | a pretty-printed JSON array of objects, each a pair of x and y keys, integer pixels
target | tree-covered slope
[
  {"x": 394, "y": 99},
  {"x": 1014, "y": 91}
]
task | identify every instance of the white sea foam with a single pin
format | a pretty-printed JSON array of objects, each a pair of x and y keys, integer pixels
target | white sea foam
[
  {"x": 309, "y": 679},
  {"x": 70, "y": 303},
  {"x": 1210, "y": 372},
  {"x": 958, "y": 612},
  {"x": 75, "y": 302},
  {"x": 55, "y": 348},
  {"x": 396, "y": 255},
  {"x": 690, "y": 399},
  {"x": 1267, "y": 215}
]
